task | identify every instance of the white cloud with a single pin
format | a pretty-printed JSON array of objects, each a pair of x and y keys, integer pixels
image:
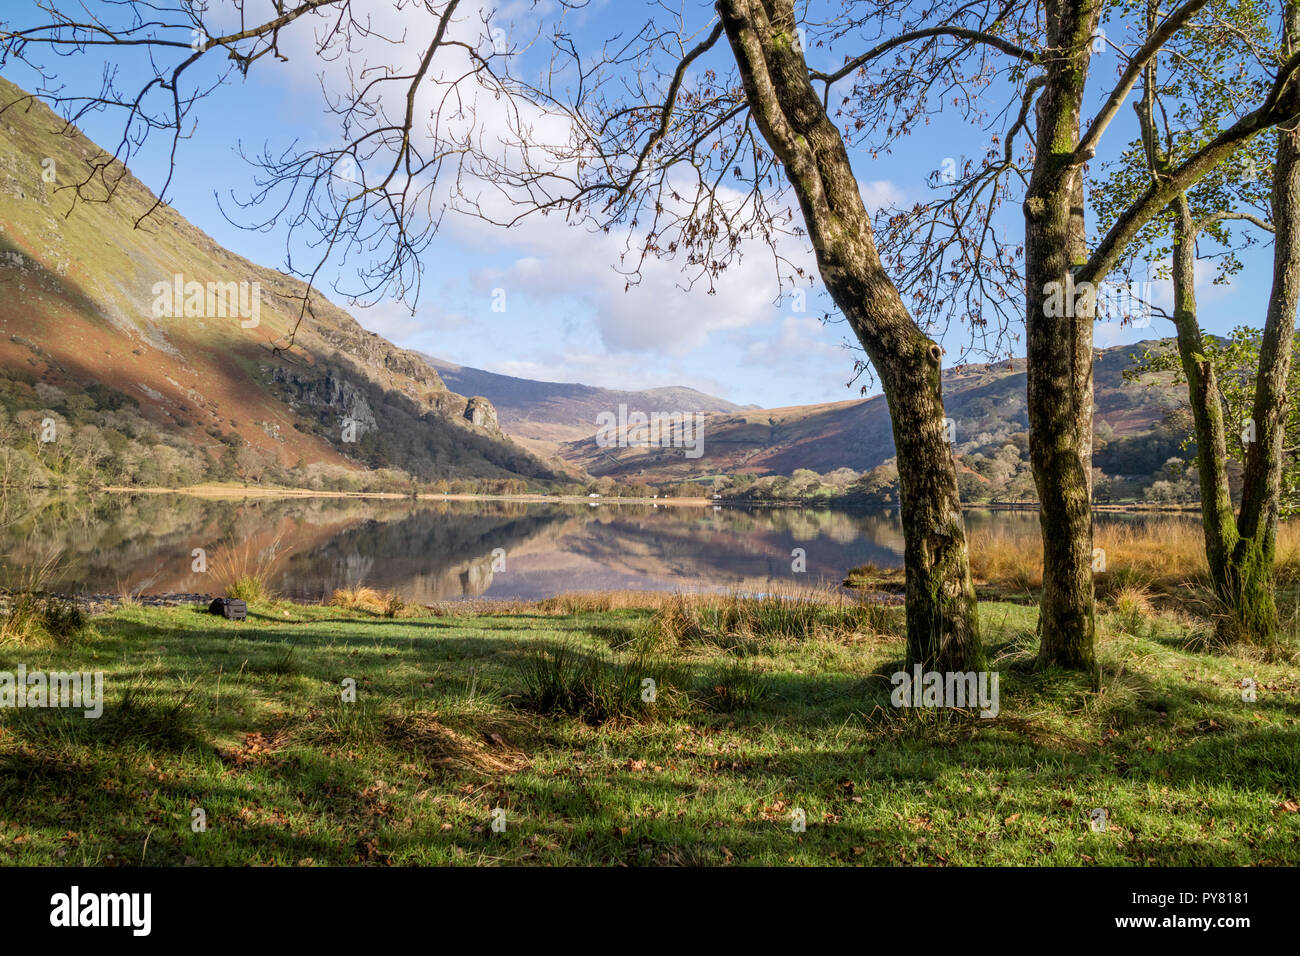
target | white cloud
[
  {"x": 634, "y": 337},
  {"x": 605, "y": 370},
  {"x": 395, "y": 322},
  {"x": 798, "y": 339},
  {"x": 880, "y": 193}
]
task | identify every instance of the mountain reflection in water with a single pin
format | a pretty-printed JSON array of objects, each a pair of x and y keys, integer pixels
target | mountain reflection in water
[{"x": 440, "y": 551}]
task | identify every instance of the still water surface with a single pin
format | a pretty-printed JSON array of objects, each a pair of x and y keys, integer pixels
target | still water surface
[{"x": 440, "y": 551}]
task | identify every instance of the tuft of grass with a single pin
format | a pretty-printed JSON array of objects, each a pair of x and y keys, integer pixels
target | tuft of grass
[
  {"x": 32, "y": 615},
  {"x": 245, "y": 570},
  {"x": 443, "y": 747},
  {"x": 750, "y": 625},
  {"x": 152, "y": 712},
  {"x": 371, "y": 601},
  {"x": 394, "y": 606},
  {"x": 1132, "y": 609},
  {"x": 565, "y": 679},
  {"x": 357, "y": 599},
  {"x": 736, "y": 686},
  {"x": 359, "y": 724},
  {"x": 36, "y": 619},
  {"x": 126, "y": 597},
  {"x": 248, "y": 588},
  {"x": 282, "y": 663}
]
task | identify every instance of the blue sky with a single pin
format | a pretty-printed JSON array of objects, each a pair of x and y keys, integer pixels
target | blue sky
[{"x": 568, "y": 317}]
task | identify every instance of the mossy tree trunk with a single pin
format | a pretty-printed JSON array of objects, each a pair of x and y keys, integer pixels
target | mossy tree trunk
[
  {"x": 942, "y": 623},
  {"x": 1059, "y": 345},
  {"x": 1252, "y": 607},
  {"x": 1217, "y": 516},
  {"x": 1239, "y": 549}
]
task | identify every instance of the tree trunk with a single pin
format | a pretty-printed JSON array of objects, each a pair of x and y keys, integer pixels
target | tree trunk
[
  {"x": 1059, "y": 346},
  {"x": 1239, "y": 551},
  {"x": 1250, "y": 577},
  {"x": 1203, "y": 394},
  {"x": 942, "y": 623}
]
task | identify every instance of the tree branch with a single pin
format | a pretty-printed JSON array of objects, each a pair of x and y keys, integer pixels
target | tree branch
[
  {"x": 1087, "y": 147},
  {"x": 1159, "y": 194},
  {"x": 961, "y": 33}
]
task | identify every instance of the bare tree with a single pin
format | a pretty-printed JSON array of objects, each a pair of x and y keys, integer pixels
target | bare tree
[{"x": 698, "y": 154}]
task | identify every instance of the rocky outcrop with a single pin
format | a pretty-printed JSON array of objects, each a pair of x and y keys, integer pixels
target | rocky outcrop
[
  {"x": 328, "y": 390},
  {"x": 339, "y": 331},
  {"x": 479, "y": 411}
]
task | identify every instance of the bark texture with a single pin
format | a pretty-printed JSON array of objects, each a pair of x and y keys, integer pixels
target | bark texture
[
  {"x": 1252, "y": 610},
  {"x": 1059, "y": 346},
  {"x": 942, "y": 627}
]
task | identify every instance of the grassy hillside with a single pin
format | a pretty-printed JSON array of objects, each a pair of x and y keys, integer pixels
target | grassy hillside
[{"x": 81, "y": 308}]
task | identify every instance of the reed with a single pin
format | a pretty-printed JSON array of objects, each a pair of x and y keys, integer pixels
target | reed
[
  {"x": 1153, "y": 554},
  {"x": 245, "y": 570}
]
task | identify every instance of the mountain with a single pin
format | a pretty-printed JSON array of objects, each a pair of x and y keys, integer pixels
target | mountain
[
  {"x": 135, "y": 334},
  {"x": 987, "y": 403},
  {"x": 163, "y": 358},
  {"x": 543, "y": 415}
]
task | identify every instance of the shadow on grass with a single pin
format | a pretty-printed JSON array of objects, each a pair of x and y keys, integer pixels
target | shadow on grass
[{"x": 59, "y": 771}]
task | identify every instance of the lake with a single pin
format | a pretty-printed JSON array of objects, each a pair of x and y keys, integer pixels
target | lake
[{"x": 445, "y": 551}]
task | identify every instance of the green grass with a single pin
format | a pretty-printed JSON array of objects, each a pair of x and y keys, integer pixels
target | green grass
[{"x": 456, "y": 716}]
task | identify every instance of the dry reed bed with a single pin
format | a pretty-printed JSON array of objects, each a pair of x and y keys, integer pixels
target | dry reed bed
[{"x": 1158, "y": 554}]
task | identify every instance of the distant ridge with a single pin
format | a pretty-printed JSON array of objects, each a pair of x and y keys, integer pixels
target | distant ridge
[
  {"x": 986, "y": 402},
  {"x": 553, "y": 412}
]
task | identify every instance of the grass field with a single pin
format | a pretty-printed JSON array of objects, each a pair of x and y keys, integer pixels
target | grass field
[{"x": 537, "y": 712}]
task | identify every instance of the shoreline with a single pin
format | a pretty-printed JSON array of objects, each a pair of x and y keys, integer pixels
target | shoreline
[
  {"x": 216, "y": 491},
  {"x": 229, "y": 492}
]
